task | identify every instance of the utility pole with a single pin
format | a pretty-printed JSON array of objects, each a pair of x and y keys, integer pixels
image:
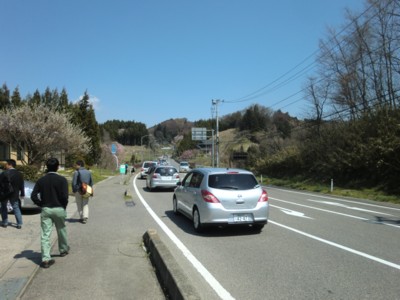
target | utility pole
[{"x": 215, "y": 104}]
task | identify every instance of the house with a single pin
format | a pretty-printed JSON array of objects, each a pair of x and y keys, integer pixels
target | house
[{"x": 9, "y": 152}]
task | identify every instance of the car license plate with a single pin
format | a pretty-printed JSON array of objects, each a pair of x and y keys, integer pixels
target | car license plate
[{"x": 242, "y": 218}]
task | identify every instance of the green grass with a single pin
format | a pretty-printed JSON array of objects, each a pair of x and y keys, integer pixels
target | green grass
[
  {"x": 371, "y": 194},
  {"x": 97, "y": 175}
]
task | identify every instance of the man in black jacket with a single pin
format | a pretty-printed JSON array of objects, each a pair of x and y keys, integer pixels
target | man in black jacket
[
  {"x": 17, "y": 182},
  {"x": 53, "y": 191}
]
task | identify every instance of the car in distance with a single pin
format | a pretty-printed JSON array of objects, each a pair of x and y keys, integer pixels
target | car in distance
[
  {"x": 166, "y": 177},
  {"x": 26, "y": 203},
  {"x": 184, "y": 167},
  {"x": 145, "y": 166},
  {"x": 218, "y": 196}
]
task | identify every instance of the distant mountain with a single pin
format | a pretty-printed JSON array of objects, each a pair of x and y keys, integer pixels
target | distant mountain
[{"x": 170, "y": 129}]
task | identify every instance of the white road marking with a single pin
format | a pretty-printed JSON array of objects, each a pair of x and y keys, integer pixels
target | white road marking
[
  {"x": 371, "y": 257},
  {"x": 291, "y": 212},
  {"x": 215, "y": 285},
  {"x": 333, "y": 212},
  {"x": 337, "y": 199},
  {"x": 348, "y": 207}
]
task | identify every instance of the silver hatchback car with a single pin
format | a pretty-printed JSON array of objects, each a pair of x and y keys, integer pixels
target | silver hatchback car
[
  {"x": 184, "y": 167},
  {"x": 218, "y": 196},
  {"x": 166, "y": 177}
]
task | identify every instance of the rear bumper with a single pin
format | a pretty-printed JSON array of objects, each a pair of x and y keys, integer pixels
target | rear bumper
[
  {"x": 163, "y": 185},
  {"x": 215, "y": 214}
]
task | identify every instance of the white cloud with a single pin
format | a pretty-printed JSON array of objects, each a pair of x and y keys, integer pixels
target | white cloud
[{"x": 92, "y": 100}]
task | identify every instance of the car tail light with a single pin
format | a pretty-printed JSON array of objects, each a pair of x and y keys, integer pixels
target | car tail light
[
  {"x": 208, "y": 197},
  {"x": 263, "y": 197}
]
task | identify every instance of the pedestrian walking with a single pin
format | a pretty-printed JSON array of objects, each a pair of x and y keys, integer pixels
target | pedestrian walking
[
  {"x": 81, "y": 175},
  {"x": 51, "y": 194},
  {"x": 17, "y": 182}
]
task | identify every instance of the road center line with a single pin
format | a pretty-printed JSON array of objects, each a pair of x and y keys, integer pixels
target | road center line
[
  {"x": 215, "y": 285},
  {"x": 371, "y": 257}
]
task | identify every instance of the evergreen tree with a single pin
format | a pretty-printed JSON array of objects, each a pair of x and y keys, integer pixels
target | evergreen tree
[
  {"x": 16, "y": 98},
  {"x": 84, "y": 116},
  {"x": 4, "y": 97},
  {"x": 47, "y": 98},
  {"x": 63, "y": 103},
  {"x": 36, "y": 99}
]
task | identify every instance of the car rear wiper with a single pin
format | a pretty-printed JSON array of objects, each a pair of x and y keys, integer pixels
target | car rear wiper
[{"x": 228, "y": 187}]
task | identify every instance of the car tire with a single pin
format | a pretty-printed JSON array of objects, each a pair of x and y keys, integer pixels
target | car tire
[
  {"x": 258, "y": 227},
  {"x": 175, "y": 206},
  {"x": 198, "y": 227}
]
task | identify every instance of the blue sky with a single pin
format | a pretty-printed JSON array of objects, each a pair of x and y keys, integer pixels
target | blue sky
[{"x": 152, "y": 60}]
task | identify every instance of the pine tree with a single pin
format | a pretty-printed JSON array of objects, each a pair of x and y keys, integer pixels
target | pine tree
[
  {"x": 63, "y": 104},
  {"x": 84, "y": 116},
  {"x": 4, "y": 97},
  {"x": 16, "y": 98}
]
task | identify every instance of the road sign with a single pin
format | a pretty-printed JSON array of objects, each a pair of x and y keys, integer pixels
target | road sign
[
  {"x": 113, "y": 148},
  {"x": 199, "y": 134}
]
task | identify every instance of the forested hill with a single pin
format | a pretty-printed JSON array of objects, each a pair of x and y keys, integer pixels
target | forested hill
[{"x": 253, "y": 119}]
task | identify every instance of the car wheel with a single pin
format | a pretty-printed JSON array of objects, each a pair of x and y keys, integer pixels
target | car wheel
[
  {"x": 175, "y": 206},
  {"x": 258, "y": 227},
  {"x": 198, "y": 227}
]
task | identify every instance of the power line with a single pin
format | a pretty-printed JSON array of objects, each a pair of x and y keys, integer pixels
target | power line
[{"x": 275, "y": 85}]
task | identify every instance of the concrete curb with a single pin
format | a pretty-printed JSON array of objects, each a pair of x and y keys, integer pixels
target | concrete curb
[{"x": 171, "y": 277}]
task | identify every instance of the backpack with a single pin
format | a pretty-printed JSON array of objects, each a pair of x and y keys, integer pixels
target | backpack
[
  {"x": 6, "y": 188},
  {"x": 84, "y": 189}
]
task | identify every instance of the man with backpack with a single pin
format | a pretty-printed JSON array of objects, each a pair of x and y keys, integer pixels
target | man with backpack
[
  {"x": 13, "y": 193},
  {"x": 81, "y": 175}
]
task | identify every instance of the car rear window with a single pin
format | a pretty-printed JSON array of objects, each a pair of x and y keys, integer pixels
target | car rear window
[
  {"x": 166, "y": 171},
  {"x": 232, "y": 181}
]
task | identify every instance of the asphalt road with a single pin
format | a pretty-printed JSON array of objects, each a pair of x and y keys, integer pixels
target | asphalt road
[{"x": 314, "y": 247}]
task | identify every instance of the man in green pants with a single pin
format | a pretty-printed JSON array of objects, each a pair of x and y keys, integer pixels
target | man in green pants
[{"x": 51, "y": 194}]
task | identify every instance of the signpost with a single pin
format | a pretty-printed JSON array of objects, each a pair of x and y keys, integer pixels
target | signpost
[
  {"x": 199, "y": 134},
  {"x": 114, "y": 152},
  {"x": 113, "y": 149},
  {"x": 122, "y": 169}
]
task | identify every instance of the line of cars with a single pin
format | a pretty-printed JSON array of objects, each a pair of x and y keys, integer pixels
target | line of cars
[{"x": 213, "y": 196}]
